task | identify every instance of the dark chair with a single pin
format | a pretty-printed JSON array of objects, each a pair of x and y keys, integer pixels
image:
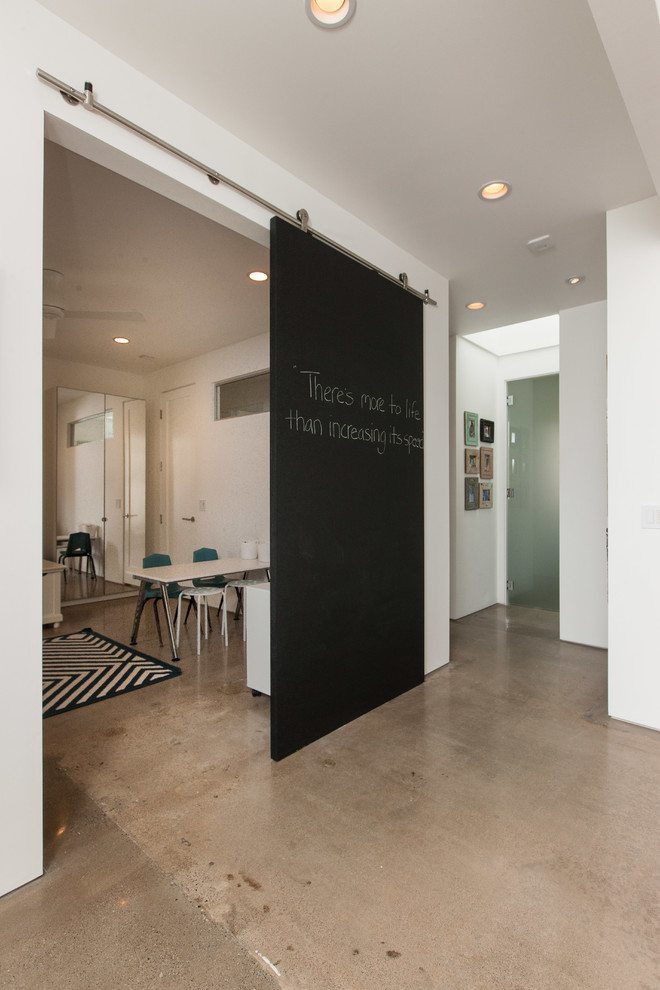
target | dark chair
[
  {"x": 79, "y": 545},
  {"x": 154, "y": 592}
]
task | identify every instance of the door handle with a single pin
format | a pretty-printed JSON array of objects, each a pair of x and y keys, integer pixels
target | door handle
[
  {"x": 187, "y": 518},
  {"x": 130, "y": 515}
]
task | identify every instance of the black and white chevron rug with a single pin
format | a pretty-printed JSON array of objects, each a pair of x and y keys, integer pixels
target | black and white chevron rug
[{"x": 84, "y": 667}]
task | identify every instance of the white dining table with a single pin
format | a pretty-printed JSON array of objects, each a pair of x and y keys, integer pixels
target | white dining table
[{"x": 180, "y": 573}]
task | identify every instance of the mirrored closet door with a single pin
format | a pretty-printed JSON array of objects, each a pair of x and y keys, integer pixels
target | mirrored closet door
[{"x": 100, "y": 476}]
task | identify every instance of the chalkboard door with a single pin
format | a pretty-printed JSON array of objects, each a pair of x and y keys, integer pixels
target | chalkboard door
[{"x": 347, "y": 537}]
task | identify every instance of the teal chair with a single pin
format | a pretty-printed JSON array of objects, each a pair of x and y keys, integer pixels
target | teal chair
[
  {"x": 205, "y": 553},
  {"x": 154, "y": 592}
]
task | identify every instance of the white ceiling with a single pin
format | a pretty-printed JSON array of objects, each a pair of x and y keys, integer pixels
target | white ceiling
[
  {"x": 404, "y": 113},
  {"x": 139, "y": 265}
]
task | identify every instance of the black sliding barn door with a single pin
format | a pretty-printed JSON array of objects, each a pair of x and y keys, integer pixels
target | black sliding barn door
[{"x": 347, "y": 593}]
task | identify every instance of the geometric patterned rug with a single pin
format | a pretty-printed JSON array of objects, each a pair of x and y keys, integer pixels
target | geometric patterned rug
[{"x": 84, "y": 667}]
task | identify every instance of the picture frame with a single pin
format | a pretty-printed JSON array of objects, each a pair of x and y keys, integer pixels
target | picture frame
[
  {"x": 471, "y": 493},
  {"x": 485, "y": 495},
  {"x": 471, "y": 461},
  {"x": 486, "y": 462},
  {"x": 471, "y": 429},
  {"x": 487, "y": 431}
]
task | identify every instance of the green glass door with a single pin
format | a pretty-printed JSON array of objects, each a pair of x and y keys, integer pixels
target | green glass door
[{"x": 533, "y": 493}]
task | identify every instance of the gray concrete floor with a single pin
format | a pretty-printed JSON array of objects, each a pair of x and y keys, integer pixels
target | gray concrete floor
[{"x": 489, "y": 829}]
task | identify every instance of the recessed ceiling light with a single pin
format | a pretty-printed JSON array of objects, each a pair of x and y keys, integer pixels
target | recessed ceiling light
[
  {"x": 475, "y": 305},
  {"x": 330, "y": 13},
  {"x": 575, "y": 279},
  {"x": 121, "y": 340},
  {"x": 495, "y": 190},
  {"x": 258, "y": 276}
]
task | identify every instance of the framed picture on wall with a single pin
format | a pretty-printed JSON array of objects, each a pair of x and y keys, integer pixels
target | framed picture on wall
[
  {"x": 471, "y": 429},
  {"x": 471, "y": 461},
  {"x": 486, "y": 462},
  {"x": 485, "y": 495},
  {"x": 471, "y": 493},
  {"x": 487, "y": 431}
]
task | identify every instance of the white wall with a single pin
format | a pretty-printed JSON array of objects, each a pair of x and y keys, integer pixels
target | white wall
[
  {"x": 633, "y": 264},
  {"x": 583, "y": 474},
  {"x": 233, "y": 455},
  {"x": 528, "y": 364},
  {"x": 20, "y": 495},
  {"x": 474, "y": 547},
  {"x": 32, "y": 37}
]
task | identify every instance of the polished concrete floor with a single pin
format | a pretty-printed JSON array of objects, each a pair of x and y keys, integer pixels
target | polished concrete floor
[{"x": 489, "y": 829}]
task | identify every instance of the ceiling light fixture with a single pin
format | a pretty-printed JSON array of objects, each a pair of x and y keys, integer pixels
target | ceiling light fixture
[
  {"x": 330, "y": 13},
  {"x": 475, "y": 305},
  {"x": 575, "y": 279},
  {"x": 121, "y": 340},
  {"x": 495, "y": 190},
  {"x": 258, "y": 276}
]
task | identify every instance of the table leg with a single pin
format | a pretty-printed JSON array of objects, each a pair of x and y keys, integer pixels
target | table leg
[
  {"x": 170, "y": 627},
  {"x": 138, "y": 612}
]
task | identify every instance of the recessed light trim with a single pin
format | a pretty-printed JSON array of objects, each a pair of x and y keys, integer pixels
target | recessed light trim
[
  {"x": 496, "y": 189},
  {"x": 475, "y": 305},
  {"x": 575, "y": 279},
  {"x": 330, "y": 13},
  {"x": 258, "y": 276},
  {"x": 121, "y": 340}
]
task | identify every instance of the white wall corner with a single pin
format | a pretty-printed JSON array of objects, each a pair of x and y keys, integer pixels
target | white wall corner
[
  {"x": 633, "y": 294},
  {"x": 583, "y": 474}
]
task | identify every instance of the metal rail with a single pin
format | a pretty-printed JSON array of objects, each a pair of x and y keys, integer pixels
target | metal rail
[{"x": 86, "y": 98}]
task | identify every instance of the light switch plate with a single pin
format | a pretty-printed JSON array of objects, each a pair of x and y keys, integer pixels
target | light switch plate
[{"x": 651, "y": 517}]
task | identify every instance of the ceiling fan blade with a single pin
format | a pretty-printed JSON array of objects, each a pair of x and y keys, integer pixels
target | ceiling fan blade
[{"x": 115, "y": 317}]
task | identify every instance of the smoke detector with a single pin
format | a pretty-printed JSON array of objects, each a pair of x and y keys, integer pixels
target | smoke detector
[{"x": 540, "y": 244}]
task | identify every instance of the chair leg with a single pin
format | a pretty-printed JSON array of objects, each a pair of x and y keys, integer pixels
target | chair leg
[
  {"x": 224, "y": 616},
  {"x": 191, "y": 604},
  {"x": 178, "y": 619},
  {"x": 91, "y": 561},
  {"x": 138, "y": 615}
]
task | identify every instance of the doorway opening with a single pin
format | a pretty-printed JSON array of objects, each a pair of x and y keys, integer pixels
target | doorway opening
[{"x": 173, "y": 282}]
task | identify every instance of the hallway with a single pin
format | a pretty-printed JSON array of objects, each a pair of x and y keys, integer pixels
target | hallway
[{"x": 489, "y": 829}]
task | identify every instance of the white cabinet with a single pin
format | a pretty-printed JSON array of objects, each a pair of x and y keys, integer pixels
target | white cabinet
[
  {"x": 51, "y": 594},
  {"x": 257, "y": 615}
]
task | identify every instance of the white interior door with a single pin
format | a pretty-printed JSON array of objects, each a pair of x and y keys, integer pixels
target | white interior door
[
  {"x": 135, "y": 468},
  {"x": 180, "y": 482}
]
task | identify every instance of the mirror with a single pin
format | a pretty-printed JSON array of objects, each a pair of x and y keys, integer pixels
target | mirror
[{"x": 100, "y": 487}]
